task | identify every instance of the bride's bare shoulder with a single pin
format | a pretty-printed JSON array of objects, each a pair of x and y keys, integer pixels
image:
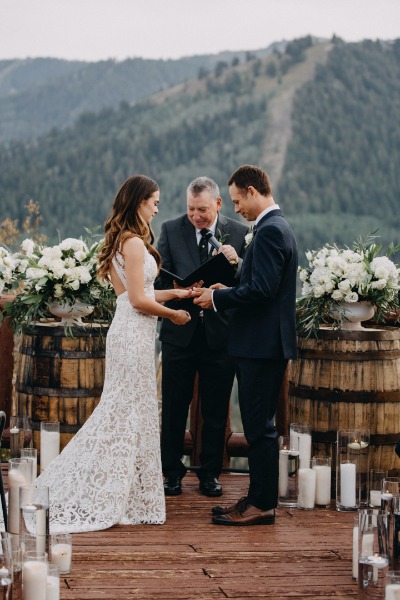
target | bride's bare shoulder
[{"x": 133, "y": 245}]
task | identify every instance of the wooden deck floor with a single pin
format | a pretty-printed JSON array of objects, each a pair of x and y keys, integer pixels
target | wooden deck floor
[{"x": 306, "y": 554}]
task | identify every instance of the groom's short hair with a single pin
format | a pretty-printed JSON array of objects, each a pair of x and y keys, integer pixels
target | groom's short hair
[
  {"x": 250, "y": 175},
  {"x": 201, "y": 184}
]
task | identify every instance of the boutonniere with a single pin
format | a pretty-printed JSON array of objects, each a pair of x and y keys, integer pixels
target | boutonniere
[
  {"x": 248, "y": 238},
  {"x": 220, "y": 238}
]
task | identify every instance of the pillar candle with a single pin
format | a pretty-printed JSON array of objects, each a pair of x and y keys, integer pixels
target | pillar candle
[
  {"x": 306, "y": 498},
  {"x": 34, "y": 580},
  {"x": 392, "y": 591},
  {"x": 283, "y": 472},
  {"x": 15, "y": 481},
  {"x": 49, "y": 447},
  {"x": 348, "y": 484},
  {"x": 294, "y": 440},
  {"x": 304, "y": 449},
  {"x": 367, "y": 545},
  {"x": 323, "y": 485},
  {"x": 61, "y": 556},
  {"x": 53, "y": 588},
  {"x": 355, "y": 552},
  {"x": 375, "y": 497}
]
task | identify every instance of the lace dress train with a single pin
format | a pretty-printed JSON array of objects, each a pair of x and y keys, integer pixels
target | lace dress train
[{"x": 110, "y": 472}]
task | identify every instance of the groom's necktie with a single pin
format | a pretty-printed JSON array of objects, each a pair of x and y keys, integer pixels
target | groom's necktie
[{"x": 203, "y": 250}]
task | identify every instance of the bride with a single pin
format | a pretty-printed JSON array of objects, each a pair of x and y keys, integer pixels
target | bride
[{"x": 110, "y": 472}]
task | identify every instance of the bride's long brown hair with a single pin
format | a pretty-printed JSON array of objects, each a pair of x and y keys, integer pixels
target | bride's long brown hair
[{"x": 125, "y": 222}]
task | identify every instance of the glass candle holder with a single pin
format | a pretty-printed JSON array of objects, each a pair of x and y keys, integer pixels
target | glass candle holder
[
  {"x": 322, "y": 466},
  {"x": 348, "y": 460},
  {"x": 355, "y": 548},
  {"x": 20, "y": 435},
  {"x": 394, "y": 533},
  {"x": 373, "y": 553},
  {"x": 49, "y": 442},
  {"x": 34, "y": 514},
  {"x": 392, "y": 585},
  {"x": 307, "y": 481},
  {"x": 61, "y": 551},
  {"x": 19, "y": 474},
  {"x": 6, "y": 566},
  {"x": 288, "y": 473},
  {"x": 300, "y": 439},
  {"x": 34, "y": 575},
  {"x": 376, "y": 477},
  {"x": 31, "y": 454},
  {"x": 53, "y": 583}
]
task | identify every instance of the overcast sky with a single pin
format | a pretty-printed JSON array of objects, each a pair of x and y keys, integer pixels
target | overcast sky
[{"x": 100, "y": 29}]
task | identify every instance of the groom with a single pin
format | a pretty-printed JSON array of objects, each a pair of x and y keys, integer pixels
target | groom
[{"x": 262, "y": 337}]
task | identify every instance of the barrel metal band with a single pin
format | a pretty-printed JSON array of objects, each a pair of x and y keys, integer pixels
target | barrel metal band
[
  {"x": 61, "y": 392},
  {"x": 63, "y": 353},
  {"x": 64, "y": 428},
  {"x": 333, "y": 396},
  {"x": 378, "y": 439},
  {"x": 382, "y": 355}
]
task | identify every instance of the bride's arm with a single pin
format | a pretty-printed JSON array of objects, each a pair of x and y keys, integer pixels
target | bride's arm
[
  {"x": 133, "y": 252},
  {"x": 172, "y": 294}
]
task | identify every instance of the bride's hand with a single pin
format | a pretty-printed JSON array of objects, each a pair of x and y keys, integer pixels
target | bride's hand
[
  {"x": 180, "y": 293},
  {"x": 180, "y": 317}
]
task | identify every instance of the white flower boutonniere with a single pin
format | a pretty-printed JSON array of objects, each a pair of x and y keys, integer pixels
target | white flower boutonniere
[{"x": 248, "y": 238}]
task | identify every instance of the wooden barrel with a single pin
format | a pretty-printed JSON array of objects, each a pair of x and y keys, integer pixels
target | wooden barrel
[
  {"x": 349, "y": 380},
  {"x": 60, "y": 378}
]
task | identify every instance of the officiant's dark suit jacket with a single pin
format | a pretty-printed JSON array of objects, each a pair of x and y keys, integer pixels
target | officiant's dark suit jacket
[
  {"x": 198, "y": 347},
  {"x": 262, "y": 337},
  {"x": 179, "y": 252}
]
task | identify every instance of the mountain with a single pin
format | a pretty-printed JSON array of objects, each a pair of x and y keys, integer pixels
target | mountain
[
  {"x": 39, "y": 94},
  {"x": 321, "y": 117}
]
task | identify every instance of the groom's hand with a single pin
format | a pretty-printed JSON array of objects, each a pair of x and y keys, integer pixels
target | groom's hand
[{"x": 203, "y": 297}]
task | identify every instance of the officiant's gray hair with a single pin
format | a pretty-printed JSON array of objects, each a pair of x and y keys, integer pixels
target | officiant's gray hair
[{"x": 201, "y": 184}]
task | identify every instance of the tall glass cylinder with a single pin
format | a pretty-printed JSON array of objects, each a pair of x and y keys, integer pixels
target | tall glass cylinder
[
  {"x": 288, "y": 473},
  {"x": 19, "y": 474},
  {"x": 20, "y": 435},
  {"x": 49, "y": 442},
  {"x": 307, "y": 481},
  {"x": 322, "y": 466},
  {"x": 6, "y": 566},
  {"x": 300, "y": 439},
  {"x": 373, "y": 553},
  {"x": 31, "y": 454},
  {"x": 348, "y": 474},
  {"x": 34, "y": 514},
  {"x": 392, "y": 589},
  {"x": 363, "y": 465},
  {"x": 35, "y": 568},
  {"x": 376, "y": 477}
]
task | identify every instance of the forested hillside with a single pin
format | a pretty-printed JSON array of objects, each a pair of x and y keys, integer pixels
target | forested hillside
[
  {"x": 38, "y": 94},
  {"x": 334, "y": 153},
  {"x": 341, "y": 174}
]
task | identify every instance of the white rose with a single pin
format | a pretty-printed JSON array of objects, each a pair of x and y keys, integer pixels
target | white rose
[
  {"x": 344, "y": 285},
  {"x": 22, "y": 265},
  {"x": 337, "y": 295},
  {"x": 319, "y": 291},
  {"x": 70, "y": 263},
  {"x": 351, "y": 297},
  {"x": 303, "y": 275},
  {"x": 248, "y": 238},
  {"x": 83, "y": 274},
  {"x": 28, "y": 246}
]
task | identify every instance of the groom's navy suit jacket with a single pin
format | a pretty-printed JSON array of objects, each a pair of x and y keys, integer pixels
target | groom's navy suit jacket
[{"x": 263, "y": 319}]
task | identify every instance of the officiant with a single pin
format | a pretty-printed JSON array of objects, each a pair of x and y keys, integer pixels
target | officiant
[{"x": 201, "y": 347}]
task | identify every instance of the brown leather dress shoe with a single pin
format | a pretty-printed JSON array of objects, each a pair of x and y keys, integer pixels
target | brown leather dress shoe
[
  {"x": 225, "y": 510},
  {"x": 246, "y": 514}
]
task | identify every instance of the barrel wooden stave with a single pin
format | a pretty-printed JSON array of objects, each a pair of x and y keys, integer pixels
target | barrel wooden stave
[
  {"x": 347, "y": 380},
  {"x": 59, "y": 378}
]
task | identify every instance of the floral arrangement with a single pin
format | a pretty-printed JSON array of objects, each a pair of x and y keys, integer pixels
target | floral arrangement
[
  {"x": 64, "y": 273},
  {"x": 336, "y": 275},
  {"x": 7, "y": 266}
]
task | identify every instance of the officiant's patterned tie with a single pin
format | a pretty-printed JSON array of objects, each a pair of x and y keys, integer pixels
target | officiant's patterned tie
[{"x": 203, "y": 250}]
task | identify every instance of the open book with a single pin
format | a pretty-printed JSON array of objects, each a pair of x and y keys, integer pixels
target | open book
[{"x": 216, "y": 270}]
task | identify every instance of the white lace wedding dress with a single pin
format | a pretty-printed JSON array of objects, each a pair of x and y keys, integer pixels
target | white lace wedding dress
[{"x": 110, "y": 472}]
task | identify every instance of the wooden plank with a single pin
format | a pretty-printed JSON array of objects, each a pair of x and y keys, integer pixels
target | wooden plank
[{"x": 306, "y": 554}]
